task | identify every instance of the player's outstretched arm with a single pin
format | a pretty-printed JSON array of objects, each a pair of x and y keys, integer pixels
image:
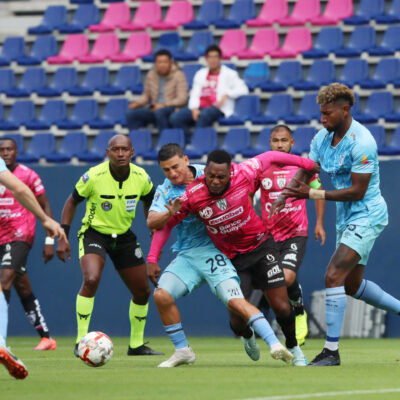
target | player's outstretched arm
[{"x": 157, "y": 220}]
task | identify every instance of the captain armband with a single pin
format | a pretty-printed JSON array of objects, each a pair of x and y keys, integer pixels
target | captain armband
[{"x": 317, "y": 194}]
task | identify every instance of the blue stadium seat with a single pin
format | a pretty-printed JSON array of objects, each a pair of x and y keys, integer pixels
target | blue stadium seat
[
  {"x": 114, "y": 113},
  {"x": 166, "y": 136},
  {"x": 64, "y": 79},
  {"x": 262, "y": 144},
  {"x": 190, "y": 71},
  {"x": 32, "y": 80},
  {"x": 378, "y": 132},
  {"x": 230, "y": 65},
  {"x": 246, "y": 107},
  {"x": 52, "y": 112},
  {"x": 85, "y": 15},
  {"x": 13, "y": 48},
  {"x": 19, "y": 140},
  {"x": 40, "y": 146},
  {"x": 279, "y": 106},
  {"x": 170, "y": 41},
  {"x": 84, "y": 112},
  {"x": 209, "y": 12},
  {"x": 393, "y": 116},
  {"x": 22, "y": 112},
  {"x": 353, "y": 71},
  {"x": 302, "y": 139},
  {"x": 387, "y": 71},
  {"x": 98, "y": 151},
  {"x": 128, "y": 77},
  {"x": 95, "y": 78},
  {"x": 392, "y": 16},
  {"x": 322, "y": 72},
  {"x": 390, "y": 43},
  {"x": 240, "y": 11},
  {"x": 287, "y": 74},
  {"x": 81, "y": 1},
  {"x": 393, "y": 147},
  {"x": 73, "y": 143},
  {"x": 308, "y": 110},
  {"x": 204, "y": 140},
  {"x": 366, "y": 11},
  {"x": 53, "y": 18},
  {"x": 141, "y": 141},
  {"x": 196, "y": 47},
  {"x": 255, "y": 74},
  {"x": 362, "y": 39},
  {"x": 379, "y": 105},
  {"x": 328, "y": 40},
  {"x": 43, "y": 47},
  {"x": 236, "y": 140},
  {"x": 7, "y": 80}
]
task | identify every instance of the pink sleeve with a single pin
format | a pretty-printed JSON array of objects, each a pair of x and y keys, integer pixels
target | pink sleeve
[
  {"x": 279, "y": 157},
  {"x": 35, "y": 184}
]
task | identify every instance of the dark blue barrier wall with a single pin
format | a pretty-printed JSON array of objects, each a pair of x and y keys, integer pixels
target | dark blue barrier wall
[{"x": 56, "y": 284}]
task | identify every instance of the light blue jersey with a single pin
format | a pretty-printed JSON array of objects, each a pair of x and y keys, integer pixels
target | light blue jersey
[
  {"x": 355, "y": 153},
  {"x": 191, "y": 231},
  {"x": 3, "y": 166}
]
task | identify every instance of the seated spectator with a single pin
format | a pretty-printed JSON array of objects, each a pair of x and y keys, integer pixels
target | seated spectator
[
  {"x": 213, "y": 94},
  {"x": 165, "y": 90}
]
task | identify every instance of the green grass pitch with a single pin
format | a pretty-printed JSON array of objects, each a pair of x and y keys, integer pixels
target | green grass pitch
[{"x": 222, "y": 371}]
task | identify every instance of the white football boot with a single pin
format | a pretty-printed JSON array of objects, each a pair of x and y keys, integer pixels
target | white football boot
[
  {"x": 185, "y": 355},
  {"x": 280, "y": 352},
  {"x": 299, "y": 359}
]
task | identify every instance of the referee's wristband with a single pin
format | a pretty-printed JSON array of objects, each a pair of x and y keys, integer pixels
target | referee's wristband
[
  {"x": 66, "y": 229},
  {"x": 317, "y": 194},
  {"x": 49, "y": 240}
]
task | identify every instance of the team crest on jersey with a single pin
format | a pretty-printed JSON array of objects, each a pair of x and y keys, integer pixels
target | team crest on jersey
[
  {"x": 266, "y": 183},
  {"x": 106, "y": 206},
  {"x": 85, "y": 177},
  {"x": 138, "y": 253},
  {"x": 2, "y": 189},
  {"x": 206, "y": 213},
  {"x": 222, "y": 204},
  {"x": 281, "y": 182}
]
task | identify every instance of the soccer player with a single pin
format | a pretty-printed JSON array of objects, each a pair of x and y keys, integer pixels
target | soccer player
[
  {"x": 112, "y": 190},
  {"x": 347, "y": 151},
  {"x": 288, "y": 229},
  {"x": 17, "y": 232},
  {"x": 198, "y": 261},
  {"x": 26, "y": 198},
  {"x": 221, "y": 200}
]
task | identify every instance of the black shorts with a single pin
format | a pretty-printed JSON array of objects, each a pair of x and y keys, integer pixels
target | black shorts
[
  {"x": 124, "y": 251},
  {"x": 259, "y": 269},
  {"x": 291, "y": 251},
  {"x": 14, "y": 256}
]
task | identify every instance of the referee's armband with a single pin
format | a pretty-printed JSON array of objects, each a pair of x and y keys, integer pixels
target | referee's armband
[
  {"x": 77, "y": 197},
  {"x": 149, "y": 196}
]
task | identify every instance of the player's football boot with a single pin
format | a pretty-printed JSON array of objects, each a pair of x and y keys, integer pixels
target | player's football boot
[
  {"x": 251, "y": 347},
  {"x": 143, "y": 350},
  {"x": 15, "y": 366},
  {"x": 301, "y": 328},
  {"x": 185, "y": 355},
  {"x": 327, "y": 358},
  {"x": 46, "y": 344},
  {"x": 299, "y": 359},
  {"x": 76, "y": 352},
  {"x": 280, "y": 352}
]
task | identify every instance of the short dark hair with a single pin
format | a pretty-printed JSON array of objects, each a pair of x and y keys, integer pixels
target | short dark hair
[
  {"x": 213, "y": 47},
  {"x": 281, "y": 126},
  {"x": 170, "y": 150},
  {"x": 219, "y": 157},
  {"x": 163, "y": 52},
  {"x": 2, "y": 138}
]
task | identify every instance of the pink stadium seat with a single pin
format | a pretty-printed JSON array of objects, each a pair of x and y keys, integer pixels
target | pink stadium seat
[
  {"x": 334, "y": 12},
  {"x": 264, "y": 41},
  {"x": 303, "y": 11},
  {"x": 296, "y": 41},
  {"x": 116, "y": 14},
  {"x": 179, "y": 12},
  {"x": 272, "y": 11},
  {"x": 75, "y": 46},
  {"x": 233, "y": 42},
  {"x": 146, "y": 15},
  {"x": 105, "y": 46},
  {"x": 138, "y": 45}
]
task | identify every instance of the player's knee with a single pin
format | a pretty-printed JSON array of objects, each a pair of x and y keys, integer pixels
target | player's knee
[
  {"x": 162, "y": 298},
  {"x": 91, "y": 283},
  {"x": 281, "y": 308}
]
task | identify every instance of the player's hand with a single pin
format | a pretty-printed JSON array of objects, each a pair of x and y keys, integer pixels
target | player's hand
[
  {"x": 195, "y": 114},
  {"x": 277, "y": 206},
  {"x": 153, "y": 272},
  {"x": 319, "y": 232},
  {"x": 174, "y": 206},
  {"x": 317, "y": 168},
  {"x": 48, "y": 252},
  {"x": 63, "y": 249},
  {"x": 54, "y": 229},
  {"x": 302, "y": 191}
]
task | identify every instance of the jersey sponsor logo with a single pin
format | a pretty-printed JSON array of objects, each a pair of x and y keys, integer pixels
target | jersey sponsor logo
[
  {"x": 8, "y": 201},
  {"x": 95, "y": 245},
  {"x": 138, "y": 253},
  {"x": 281, "y": 182},
  {"x": 293, "y": 246},
  {"x": 212, "y": 229},
  {"x": 274, "y": 271},
  {"x": 274, "y": 195},
  {"x": 39, "y": 188},
  {"x": 222, "y": 204},
  {"x": 365, "y": 160},
  {"x": 196, "y": 187},
  {"x": 270, "y": 258},
  {"x": 130, "y": 205},
  {"x": 280, "y": 172},
  {"x": 252, "y": 163},
  {"x": 37, "y": 182},
  {"x": 206, "y": 213},
  {"x": 227, "y": 216},
  {"x": 290, "y": 256},
  {"x": 2, "y": 189},
  {"x": 233, "y": 226},
  {"x": 85, "y": 177},
  {"x": 266, "y": 183},
  {"x": 106, "y": 206}
]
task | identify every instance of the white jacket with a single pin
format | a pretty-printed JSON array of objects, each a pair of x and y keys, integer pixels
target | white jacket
[{"x": 229, "y": 83}]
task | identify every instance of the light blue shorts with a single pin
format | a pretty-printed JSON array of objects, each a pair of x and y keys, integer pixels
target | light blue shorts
[{"x": 360, "y": 238}]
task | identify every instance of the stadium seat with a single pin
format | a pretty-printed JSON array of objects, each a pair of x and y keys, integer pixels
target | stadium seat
[
  {"x": 84, "y": 16},
  {"x": 179, "y": 13},
  {"x": 73, "y": 143},
  {"x": 379, "y": 105},
  {"x": 19, "y": 140},
  {"x": 255, "y": 74},
  {"x": 362, "y": 39},
  {"x": 190, "y": 70},
  {"x": 53, "y": 18},
  {"x": 95, "y": 78},
  {"x": 85, "y": 111},
  {"x": 141, "y": 141},
  {"x": 147, "y": 13},
  {"x": 287, "y": 74},
  {"x": 378, "y": 132},
  {"x": 170, "y": 41},
  {"x": 335, "y": 11},
  {"x": 81, "y": 1},
  {"x": 303, "y": 11},
  {"x": 114, "y": 113},
  {"x": 246, "y": 107},
  {"x": 40, "y": 146},
  {"x": 393, "y": 147},
  {"x": 271, "y": 12},
  {"x": 392, "y": 16},
  {"x": 239, "y": 13},
  {"x": 353, "y": 72},
  {"x": 390, "y": 43},
  {"x": 137, "y": 45},
  {"x": 296, "y": 41},
  {"x": 105, "y": 46},
  {"x": 52, "y": 112},
  {"x": 387, "y": 71},
  {"x": 98, "y": 151},
  {"x": 366, "y": 11},
  {"x": 322, "y": 72},
  {"x": 232, "y": 43},
  {"x": 128, "y": 77},
  {"x": 13, "y": 48},
  {"x": 116, "y": 15},
  {"x": 64, "y": 79},
  {"x": 236, "y": 140},
  {"x": 302, "y": 139},
  {"x": 279, "y": 106},
  {"x": 166, "y": 136},
  {"x": 393, "y": 116},
  {"x": 43, "y": 47},
  {"x": 197, "y": 46},
  {"x": 264, "y": 42},
  {"x": 328, "y": 40},
  {"x": 32, "y": 80},
  {"x": 22, "y": 111},
  {"x": 209, "y": 12},
  {"x": 307, "y": 111},
  {"x": 262, "y": 144},
  {"x": 7, "y": 80},
  {"x": 204, "y": 140},
  {"x": 75, "y": 46}
]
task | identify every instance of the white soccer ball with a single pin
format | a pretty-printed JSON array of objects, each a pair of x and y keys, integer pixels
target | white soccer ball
[{"x": 95, "y": 349}]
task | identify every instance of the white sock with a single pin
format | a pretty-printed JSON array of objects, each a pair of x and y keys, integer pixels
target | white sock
[{"x": 333, "y": 346}]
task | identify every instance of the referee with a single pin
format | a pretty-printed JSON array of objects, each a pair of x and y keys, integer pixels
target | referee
[{"x": 112, "y": 190}]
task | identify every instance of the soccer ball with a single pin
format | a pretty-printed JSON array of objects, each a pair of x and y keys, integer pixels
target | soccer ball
[{"x": 95, "y": 349}]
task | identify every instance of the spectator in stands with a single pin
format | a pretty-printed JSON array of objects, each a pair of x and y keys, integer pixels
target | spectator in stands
[
  {"x": 213, "y": 95},
  {"x": 165, "y": 90}
]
